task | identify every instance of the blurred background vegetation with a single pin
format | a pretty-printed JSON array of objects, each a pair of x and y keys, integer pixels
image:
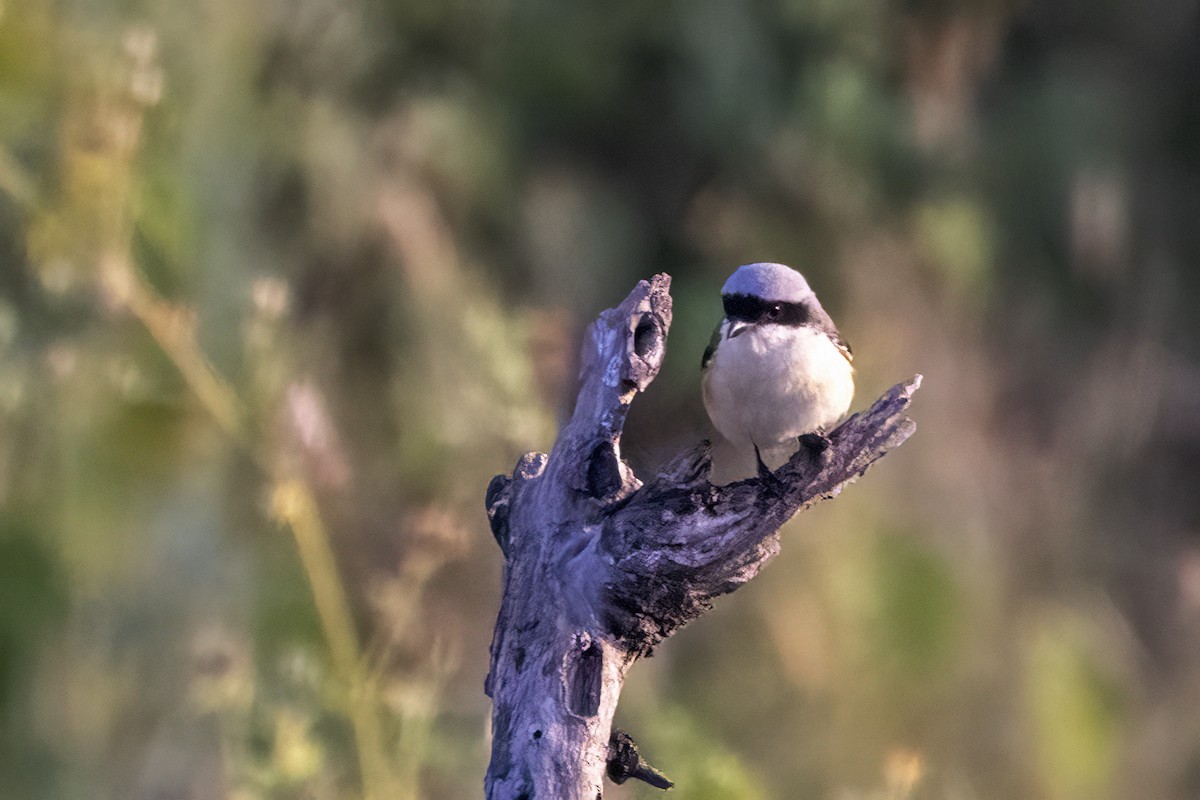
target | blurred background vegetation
[{"x": 285, "y": 282}]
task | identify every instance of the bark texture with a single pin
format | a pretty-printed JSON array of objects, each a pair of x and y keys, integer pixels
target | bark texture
[{"x": 600, "y": 568}]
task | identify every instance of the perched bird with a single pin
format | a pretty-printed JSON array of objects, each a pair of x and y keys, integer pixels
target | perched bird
[{"x": 776, "y": 368}]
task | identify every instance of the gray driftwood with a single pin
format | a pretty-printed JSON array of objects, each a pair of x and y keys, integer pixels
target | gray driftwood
[{"x": 600, "y": 568}]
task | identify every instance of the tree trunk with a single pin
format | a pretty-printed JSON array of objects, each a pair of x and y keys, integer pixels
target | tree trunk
[{"x": 600, "y": 568}]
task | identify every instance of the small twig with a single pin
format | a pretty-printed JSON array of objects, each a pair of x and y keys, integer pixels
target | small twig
[{"x": 625, "y": 761}]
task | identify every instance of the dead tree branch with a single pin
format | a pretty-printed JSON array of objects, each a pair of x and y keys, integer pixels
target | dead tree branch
[{"x": 600, "y": 568}]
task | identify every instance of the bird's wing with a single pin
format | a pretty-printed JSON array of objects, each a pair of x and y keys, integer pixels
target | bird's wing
[
  {"x": 713, "y": 341},
  {"x": 824, "y": 323},
  {"x": 843, "y": 347}
]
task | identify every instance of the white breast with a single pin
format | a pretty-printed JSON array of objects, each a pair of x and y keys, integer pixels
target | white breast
[{"x": 773, "y": 383}]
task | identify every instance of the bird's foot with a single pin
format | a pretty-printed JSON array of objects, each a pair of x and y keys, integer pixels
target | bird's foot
[
  {"x": 769, "y": 480},
  {"x": 818, "y": 447},
  {"x": 815, "y": 443}
]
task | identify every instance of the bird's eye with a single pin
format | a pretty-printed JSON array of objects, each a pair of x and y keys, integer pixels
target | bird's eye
[{"x": 775, "y": 311}]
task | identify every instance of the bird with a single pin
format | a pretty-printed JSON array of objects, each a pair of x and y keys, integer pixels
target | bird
[{"x": 776, "y": 368}]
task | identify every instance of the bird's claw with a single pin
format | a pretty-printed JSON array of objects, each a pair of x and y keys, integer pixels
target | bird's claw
[
  {"x": 769, "y": 480},
  {"x": 816, "y": 443}
]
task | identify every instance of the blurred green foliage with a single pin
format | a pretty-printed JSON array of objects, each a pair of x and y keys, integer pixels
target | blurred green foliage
[{"x": 285, "y": 283}]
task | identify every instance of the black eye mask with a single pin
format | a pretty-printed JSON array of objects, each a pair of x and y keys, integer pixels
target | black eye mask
[{"x": 747, "y": 308}]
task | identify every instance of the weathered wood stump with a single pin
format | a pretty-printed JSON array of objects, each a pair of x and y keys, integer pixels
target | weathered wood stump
[{"x": 600, "y": 568}]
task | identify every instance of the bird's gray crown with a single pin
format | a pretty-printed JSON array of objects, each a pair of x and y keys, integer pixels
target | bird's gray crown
[{"x": 768, "y": 281}]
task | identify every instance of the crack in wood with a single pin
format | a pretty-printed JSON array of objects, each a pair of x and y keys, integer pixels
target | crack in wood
[{"x": 584, "y": 675}]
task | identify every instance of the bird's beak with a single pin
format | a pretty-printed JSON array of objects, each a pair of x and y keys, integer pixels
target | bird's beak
[{"x": 737, "y": 329}]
